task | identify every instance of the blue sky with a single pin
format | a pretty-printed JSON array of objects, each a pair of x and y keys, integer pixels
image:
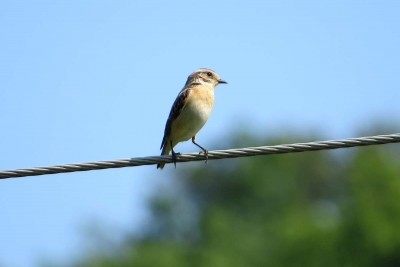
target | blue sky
[{"x": 94, "y": 80}]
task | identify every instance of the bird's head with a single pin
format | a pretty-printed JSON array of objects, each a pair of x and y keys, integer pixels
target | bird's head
[{"x": 205, "y": 76}]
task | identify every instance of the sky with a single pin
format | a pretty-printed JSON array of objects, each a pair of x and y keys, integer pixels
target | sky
[{"x": 94, "y": 80}]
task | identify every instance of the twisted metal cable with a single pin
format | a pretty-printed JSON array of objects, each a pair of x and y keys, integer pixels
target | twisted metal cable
[{"x": 215, "y": 154}]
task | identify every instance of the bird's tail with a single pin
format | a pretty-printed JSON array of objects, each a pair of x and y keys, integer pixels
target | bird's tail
[{"x": 165, "y": 151}]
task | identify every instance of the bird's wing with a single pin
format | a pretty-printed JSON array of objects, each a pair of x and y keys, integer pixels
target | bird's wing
[{"x": 176, "y": 109}]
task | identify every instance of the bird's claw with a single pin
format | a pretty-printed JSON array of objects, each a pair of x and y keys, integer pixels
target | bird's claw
[
  {"x": 174, "y": 157},
  {"x": 205, "y": 151}
]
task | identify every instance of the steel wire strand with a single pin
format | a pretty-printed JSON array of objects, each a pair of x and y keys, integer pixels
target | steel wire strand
[{"x": 212, "y": 155}]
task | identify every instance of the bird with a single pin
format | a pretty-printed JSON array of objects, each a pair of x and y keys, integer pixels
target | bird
[{"x": 190, "y": 111}]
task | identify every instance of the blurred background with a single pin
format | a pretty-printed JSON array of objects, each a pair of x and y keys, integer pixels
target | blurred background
[{"x": 95, "y": 80}]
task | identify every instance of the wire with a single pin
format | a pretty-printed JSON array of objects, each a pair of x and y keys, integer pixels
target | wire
[{"x": 215, "y": 154}]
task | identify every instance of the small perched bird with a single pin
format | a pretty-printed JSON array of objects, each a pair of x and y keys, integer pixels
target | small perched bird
[{"x": 190, "y": 111}]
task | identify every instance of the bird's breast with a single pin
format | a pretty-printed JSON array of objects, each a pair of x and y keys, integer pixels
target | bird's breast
[
  {"x": 194, "y": 114},
  {"x": 200, "y": 103}
]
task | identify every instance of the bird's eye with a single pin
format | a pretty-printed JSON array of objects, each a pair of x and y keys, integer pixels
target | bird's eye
[{"x": 209, "y": 74}]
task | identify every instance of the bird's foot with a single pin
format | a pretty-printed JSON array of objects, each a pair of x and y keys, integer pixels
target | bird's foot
[
  {"x": 205, "y": 152},
  {"x": 175, "y": 157}
]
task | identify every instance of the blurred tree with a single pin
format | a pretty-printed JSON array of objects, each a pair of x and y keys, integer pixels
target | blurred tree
[{"x": 306, "y": 209}]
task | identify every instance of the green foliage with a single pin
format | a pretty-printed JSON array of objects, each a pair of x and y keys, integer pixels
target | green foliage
[{"x": 306, "y": 209}]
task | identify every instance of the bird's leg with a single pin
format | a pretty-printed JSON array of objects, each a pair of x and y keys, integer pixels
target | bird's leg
[
  {"x": 174, "y": 155},
  {"x": 202, "y": 148}
]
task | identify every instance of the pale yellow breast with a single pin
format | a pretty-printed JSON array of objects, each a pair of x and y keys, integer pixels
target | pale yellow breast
[
  {"x": 201, "y": 99},
  {"x": 194, "y": 115}
]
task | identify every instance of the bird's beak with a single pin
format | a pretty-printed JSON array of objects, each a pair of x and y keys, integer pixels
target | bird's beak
[{"x": 221, "y": 81}]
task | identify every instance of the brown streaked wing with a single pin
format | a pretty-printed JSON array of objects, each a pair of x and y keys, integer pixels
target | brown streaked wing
[{"x": 176, "y": 109}]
